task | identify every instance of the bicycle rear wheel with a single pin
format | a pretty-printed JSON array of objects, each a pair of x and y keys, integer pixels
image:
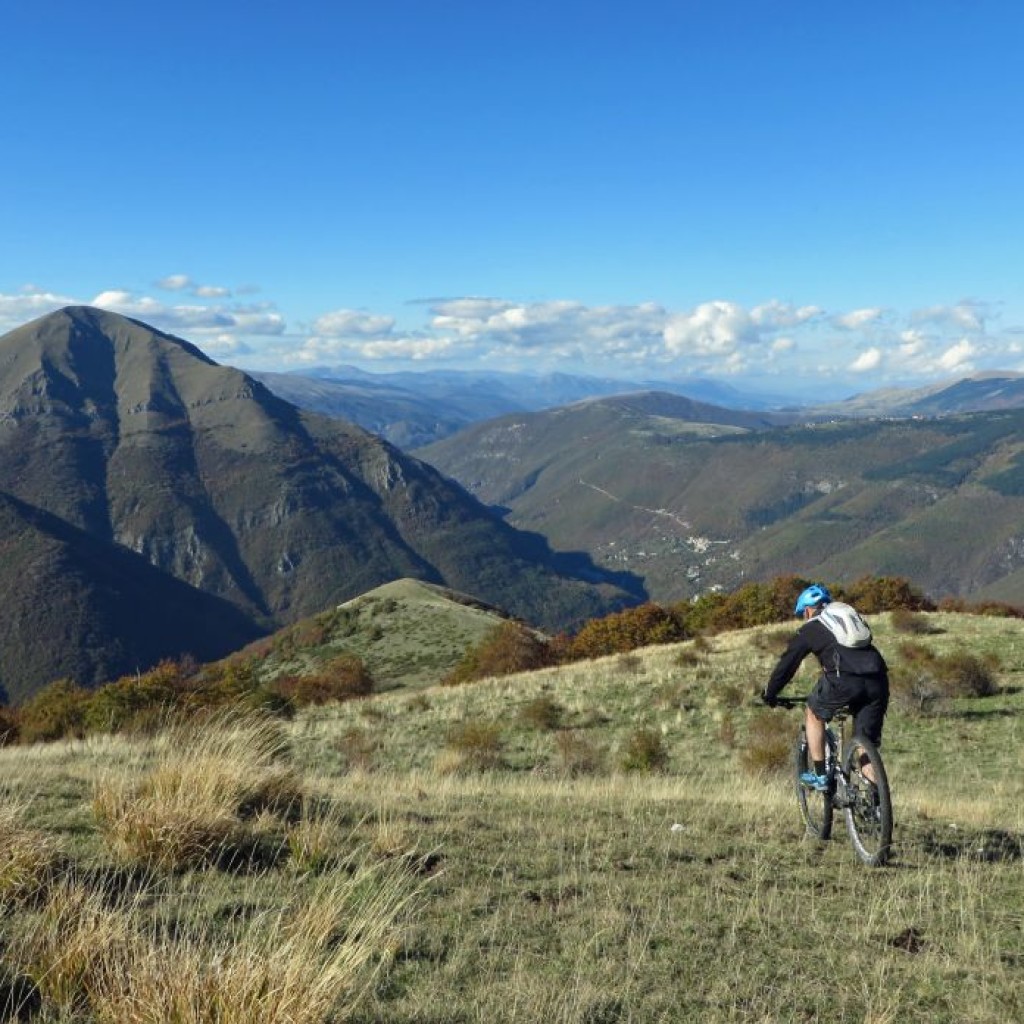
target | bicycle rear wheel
[
  {"x": 868, "y": 805},
  {"x": 815, "y": 806}
]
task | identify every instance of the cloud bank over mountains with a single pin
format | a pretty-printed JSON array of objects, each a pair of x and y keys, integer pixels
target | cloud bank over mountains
[{"x": 796, "y": 344}]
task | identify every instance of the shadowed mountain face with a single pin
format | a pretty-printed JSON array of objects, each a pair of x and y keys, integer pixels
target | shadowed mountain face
[
  {"x": 138, "y": 440},
  {"x": 77, "y": 607}
]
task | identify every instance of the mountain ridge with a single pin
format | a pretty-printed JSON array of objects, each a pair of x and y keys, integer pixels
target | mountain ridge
[{"x": 140, "y": 441}]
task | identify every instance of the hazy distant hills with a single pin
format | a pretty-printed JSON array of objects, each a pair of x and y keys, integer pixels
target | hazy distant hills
[
  {"x": 988, "y": 392},
  {"x": 689, "y": 499},
  {"x": 135, "y": 440},
  {"x": 413, "y": 409}
]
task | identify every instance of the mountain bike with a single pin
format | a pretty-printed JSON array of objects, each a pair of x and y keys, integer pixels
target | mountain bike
[{"x": 857, "y": 785}]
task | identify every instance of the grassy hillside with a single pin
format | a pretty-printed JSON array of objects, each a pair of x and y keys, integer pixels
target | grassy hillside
[
  {"x": 550, "y": 880},
  {"x": 408, "y": 633}
]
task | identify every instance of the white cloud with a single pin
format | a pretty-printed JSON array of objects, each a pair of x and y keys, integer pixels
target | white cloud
[
  {"x": 957, "y": 358},
  {"x": 719, "y": 337},
  {"x": 28, "y": 304},
  {"x": 175, "y": 282},
  {"x": 912, "y": 343},
  {"x": 347, "y": 323},
  {"x": 775, "y": 314},
  {"x": 966, "y": 315},
  {"x": 713, "y": 328},
  {"x": 859, "y": 318},
  {"x": 868, "y": 360},
  {"x": 318, "y": 350}
]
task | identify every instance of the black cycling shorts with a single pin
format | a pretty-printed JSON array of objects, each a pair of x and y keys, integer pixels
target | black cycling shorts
[{"x": 867, "y": 697}]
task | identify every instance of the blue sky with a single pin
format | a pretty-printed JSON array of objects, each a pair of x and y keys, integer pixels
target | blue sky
[{"x": 816, "y": 198}]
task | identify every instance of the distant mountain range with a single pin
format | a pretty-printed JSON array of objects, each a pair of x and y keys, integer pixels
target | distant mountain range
[
  {"x": 157, "y": 503},
  {"x": 691, "y": 498},
  {"x": 414, "y": 409}
]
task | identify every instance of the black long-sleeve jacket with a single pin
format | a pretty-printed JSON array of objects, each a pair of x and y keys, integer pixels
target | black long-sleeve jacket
[{"x": 813, "y": 637}]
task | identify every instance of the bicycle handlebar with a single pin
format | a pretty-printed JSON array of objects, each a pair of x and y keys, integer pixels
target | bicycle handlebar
[{"x": 790, "y": 702}]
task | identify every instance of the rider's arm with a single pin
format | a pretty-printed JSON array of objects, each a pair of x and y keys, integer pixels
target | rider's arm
[{"x": 796, "y": 650}]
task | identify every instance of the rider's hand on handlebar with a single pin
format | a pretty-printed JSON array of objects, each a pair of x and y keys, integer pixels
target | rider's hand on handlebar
[{"x": 770, "y": 700}]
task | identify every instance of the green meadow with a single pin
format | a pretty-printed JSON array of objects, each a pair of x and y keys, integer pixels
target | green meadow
[{"x": 615, "y": 840}]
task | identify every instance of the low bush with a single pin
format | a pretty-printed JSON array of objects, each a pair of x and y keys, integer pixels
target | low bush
[
  {"x": 543, "y": 713},
  {"x": 769, "y": 745},
  {"x": 344, "y": 677},
  {"x": 906, "y": 621},
  {"x": 625, "y": 631},
  {"x": 644, "y": 751},
  {"x": 56, "y": 711},
  {"x": 923, "y": 680},
  {"x": 508, "y": 648},
  {"x": 472, "y": 746},
  {"x": 578, "y": 754}
]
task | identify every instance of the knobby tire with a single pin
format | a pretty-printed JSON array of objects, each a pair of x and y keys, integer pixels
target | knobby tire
[
  {"x": 868, "y": 805},
  {"x": 815, "y": 808}
]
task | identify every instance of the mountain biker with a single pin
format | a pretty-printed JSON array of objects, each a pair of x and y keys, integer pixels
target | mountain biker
[{"x": 854, "y": 678}]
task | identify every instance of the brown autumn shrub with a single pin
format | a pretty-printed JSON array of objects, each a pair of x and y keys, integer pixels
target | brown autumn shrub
[
  {"x": 55, "y": 712},
  {"x": 342, "y": 678},
  {"x": 904, "y": 620},
  {"x": 625, "y": 631},
  {"x": 543, "y": 713},
  {"x": 509, "y": 648}
]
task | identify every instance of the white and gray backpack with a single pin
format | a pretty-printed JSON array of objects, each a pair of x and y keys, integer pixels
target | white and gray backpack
[{"x": 843, "y": 621}]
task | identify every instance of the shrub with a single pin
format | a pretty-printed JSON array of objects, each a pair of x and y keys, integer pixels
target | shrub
[
  {"x": 508, "y": 648},
  {"x": 906, "y": 621},
  {"x": 626, "y": 631},
  {"x": 137, "y": 702},
  {"x": 476, "y": 746},
  {"x": 644, "y": 752},
  {"x": 542, "y": 713},
  {"x": 871, "y": 594},
  {"x": 577, "y": 755},
  {"x": 57, "y": 711},
  {"x": 342, "y": 678},
  {"x": 915, "y": 690},
  {"x": 769, "y": 745},
  {"x": 965, "y": 675}
]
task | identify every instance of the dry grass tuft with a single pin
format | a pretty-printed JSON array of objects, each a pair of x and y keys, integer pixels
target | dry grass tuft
[
  {"x": 29, "y": 858},
  {"x": 769, "y": 745},
  {"x": 194, "y": 806},
  {"x": 308, "y": 960}
]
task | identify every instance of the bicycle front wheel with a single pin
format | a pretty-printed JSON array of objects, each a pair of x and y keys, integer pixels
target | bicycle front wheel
[
  {"x": 815, "y": 806},
  {"x": 868, "y": 804}
]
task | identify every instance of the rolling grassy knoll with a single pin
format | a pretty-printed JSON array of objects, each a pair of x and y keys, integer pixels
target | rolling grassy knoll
[{"x": 544, "y": 880}]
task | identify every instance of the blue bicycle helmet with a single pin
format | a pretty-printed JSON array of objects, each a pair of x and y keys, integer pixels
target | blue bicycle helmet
[{"x": 814, "y": 595}]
